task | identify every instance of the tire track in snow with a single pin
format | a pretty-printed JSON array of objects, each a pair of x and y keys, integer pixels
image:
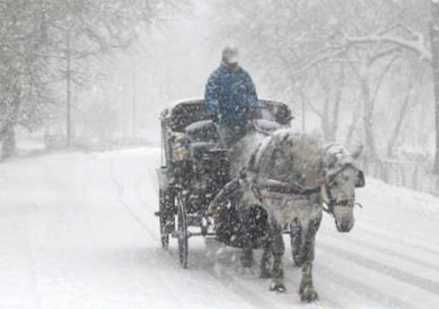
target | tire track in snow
[
  {"x": 323, "y": 295},
  {"x": 362, "y": 289},
  {"x": 245, "y": 294},
  {"x": 359, "y": 288},
  {"x": 324, "y": 275},
  {"x": 414, "y": 280},
  {"x": 386, "y": 251},
  {"x": 230, "y": 282},
  {"x": 226, "y": 279},
  {"x": 230, "y": 278},
  {"x": 150, "y": 233},
  {"x": 380, "y": 234},
  {"x": 331, "y": 295}
]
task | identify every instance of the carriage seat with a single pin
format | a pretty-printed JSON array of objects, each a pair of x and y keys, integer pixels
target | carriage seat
[
  {"x": 199, "y": 149},
  {"x": 202, "y": 131},
  {"x": 266, "y": 126}
]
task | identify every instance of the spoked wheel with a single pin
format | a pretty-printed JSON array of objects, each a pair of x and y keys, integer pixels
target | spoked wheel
[
  {"x": 164, "y": 232},
  {"x": 182, "y": 232},
  {"x": 296, "y": 242}
]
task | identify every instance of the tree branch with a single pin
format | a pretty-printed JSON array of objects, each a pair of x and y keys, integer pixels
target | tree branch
[{"x": 416, "y": 46}]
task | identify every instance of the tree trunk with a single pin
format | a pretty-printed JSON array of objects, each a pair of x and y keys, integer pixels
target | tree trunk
[
  {"x": 68, "y": 90},
  {"x": 335, "y": 118},
  {"x": 397, "y": 130},
  {"x": 133, "y": 108},
  {"x": 326, "y": 128},
  {"x": 303, "y": 115},
  {"x": 369, "y": 137},
  {"x": 337, "y": 102},
  {"x": 434, "y": 37},
  {"x": 353, "y": 125},
  {"x": 304, "y": 102},
  {"x": 9, "y": 143}
]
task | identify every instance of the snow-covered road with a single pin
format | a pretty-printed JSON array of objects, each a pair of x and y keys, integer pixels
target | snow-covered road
[{"x": 78, "y": 231}]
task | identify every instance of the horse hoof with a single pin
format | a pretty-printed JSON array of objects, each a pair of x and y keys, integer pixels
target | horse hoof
[
  {"x": 308, "y": 295},
  {"x": 278, "y": 287}
]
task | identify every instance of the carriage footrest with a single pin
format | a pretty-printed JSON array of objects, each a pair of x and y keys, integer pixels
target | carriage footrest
[{"x": 174, "y": 234}]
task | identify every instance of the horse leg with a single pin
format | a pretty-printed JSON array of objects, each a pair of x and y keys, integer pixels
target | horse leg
[
  {"x": 306, "y": 290},
  {"x": 278, "y": 250},
  {"x": 247, "y": 259},
  {"x": 296, "y": 241},
  {"x": 265, "y": 271}
]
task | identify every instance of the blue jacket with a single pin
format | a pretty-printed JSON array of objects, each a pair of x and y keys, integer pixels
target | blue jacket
[{"x": 231, "y": 95}]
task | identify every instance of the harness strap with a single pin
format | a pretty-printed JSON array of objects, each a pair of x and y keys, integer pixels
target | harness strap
[{"x": 290, "y": 189}]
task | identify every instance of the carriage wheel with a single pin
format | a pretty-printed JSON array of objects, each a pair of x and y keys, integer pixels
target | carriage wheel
[
  {"x": 164, "y": 233},
  {"x": 182, "y": 232},
  {"x": 296, "y": 241}
]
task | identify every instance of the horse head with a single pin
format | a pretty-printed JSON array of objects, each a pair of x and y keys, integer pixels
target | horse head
[{"x": 342, "y": 177}]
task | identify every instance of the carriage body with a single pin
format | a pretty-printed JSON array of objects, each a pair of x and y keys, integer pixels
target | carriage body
[{"x": 195, "y": 167}]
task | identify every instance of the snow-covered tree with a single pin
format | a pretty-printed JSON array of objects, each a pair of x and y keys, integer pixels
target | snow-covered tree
[
  {"x": 25, "y": 98},
  {"x": 44, "y": 42},
  {"x": 82, "y": 32},
  {"x": 337, "y": 57}
]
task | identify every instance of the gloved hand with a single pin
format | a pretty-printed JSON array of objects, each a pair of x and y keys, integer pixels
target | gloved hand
[{"x": 216, "y": 117}]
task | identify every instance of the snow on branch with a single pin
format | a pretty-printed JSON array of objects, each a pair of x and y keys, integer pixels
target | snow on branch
[
  {"x": 313, "y": 62},
  {"x": 417, "y": 46}
]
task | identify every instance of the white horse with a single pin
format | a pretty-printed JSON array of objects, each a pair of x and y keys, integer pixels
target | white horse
[{"x": 292, "y": 177}]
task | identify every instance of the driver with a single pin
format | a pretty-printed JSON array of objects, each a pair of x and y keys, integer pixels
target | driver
[{"x": 230, "y": 96}]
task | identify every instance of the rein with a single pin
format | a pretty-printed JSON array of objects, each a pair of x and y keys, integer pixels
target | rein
[
  {"x": 287, "y": 188},
  {"x": 297, "y": 189},
  {"x": 262, "y": 187},
  {"x": 330, "y": 202}
]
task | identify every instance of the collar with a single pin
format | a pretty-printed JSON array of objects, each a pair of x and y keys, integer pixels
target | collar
[{"x": 227, "y": 68}]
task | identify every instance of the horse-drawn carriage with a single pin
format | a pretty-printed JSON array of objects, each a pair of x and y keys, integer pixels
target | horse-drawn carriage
[
  {"x": 271, "y": 181},
  {"x": 195, "y": 166}
]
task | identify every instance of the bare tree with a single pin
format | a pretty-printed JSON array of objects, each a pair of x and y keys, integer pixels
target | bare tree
[
  {"x": 434, "y": 39},
  {"x": 24, "y": 93},
  {"x": 80, "y": 30},
  {"x": 47, "y": 41},
  {"x": 305, "y": 40}
]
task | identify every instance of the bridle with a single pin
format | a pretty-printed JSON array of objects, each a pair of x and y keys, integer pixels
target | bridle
[
  {"x": 272, "y": 188},
  {"x": 323, "y": 187},
  {"x": 328, "y": 201}
]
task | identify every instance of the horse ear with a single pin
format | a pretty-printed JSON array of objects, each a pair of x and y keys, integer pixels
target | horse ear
[
  {"x": 361, "y": 181},
  {"x": 357, "y": 152}
]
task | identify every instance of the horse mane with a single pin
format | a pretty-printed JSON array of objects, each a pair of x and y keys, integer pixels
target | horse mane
[
  {"x": 290, "y": 157},
  {"x": 336, "y": 156}
]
